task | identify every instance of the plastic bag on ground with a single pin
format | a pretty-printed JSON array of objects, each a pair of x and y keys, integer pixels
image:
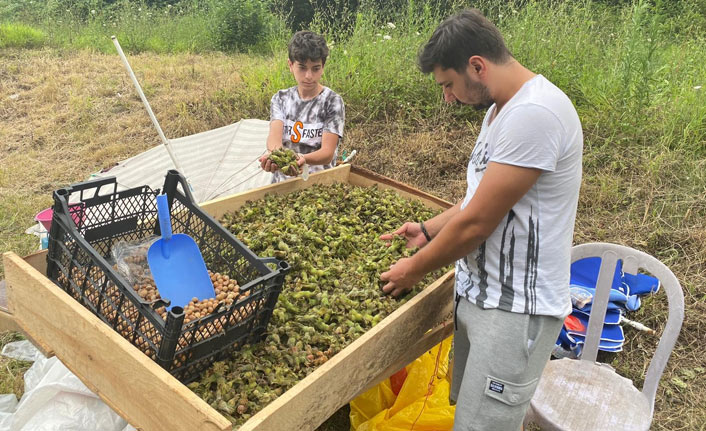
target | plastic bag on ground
[
  {"x": 8, "y": 403},
  {"x": 422, "y": 403},
  {"x": 54, "y": 399},
  {"x": 22, "y": 350}
]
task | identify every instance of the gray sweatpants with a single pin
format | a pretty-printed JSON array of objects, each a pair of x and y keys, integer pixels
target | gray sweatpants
[{"x": 498, "y": 359}]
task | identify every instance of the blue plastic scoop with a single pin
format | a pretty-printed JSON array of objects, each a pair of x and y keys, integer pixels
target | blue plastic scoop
[{"x": 176, "y": 263}]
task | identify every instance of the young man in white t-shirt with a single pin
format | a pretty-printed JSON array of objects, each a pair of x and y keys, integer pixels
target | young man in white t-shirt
[
  {"x": 309, "y": 117},
  {"x": 511, "y": 236}
]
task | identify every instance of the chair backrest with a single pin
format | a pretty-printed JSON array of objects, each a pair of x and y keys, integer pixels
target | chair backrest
[{"x": 633, "y": 261}]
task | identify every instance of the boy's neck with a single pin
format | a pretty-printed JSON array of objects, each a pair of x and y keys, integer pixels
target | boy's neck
[{"x": 309, "y": 94}]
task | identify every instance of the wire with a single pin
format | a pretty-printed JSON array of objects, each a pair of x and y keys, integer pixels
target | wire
[
  {"x": 247, "y": 165},
  {"x": 242, "y": 182}
]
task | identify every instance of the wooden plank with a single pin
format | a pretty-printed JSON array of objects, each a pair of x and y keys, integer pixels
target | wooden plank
[
  {"x": 105, "y": 361},
  {"x": 417, "y": 349},
  {"x": 133, "y": 385},
  {"x": 7, "y": 322},
  {"x": 308, "y": 404},
  {"x": 217, "y": 207},
  {"x": 365, "y": 178},
  {"x": 38, "y": 261}
]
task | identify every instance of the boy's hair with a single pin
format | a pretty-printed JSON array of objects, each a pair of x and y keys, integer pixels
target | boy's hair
[
  {"x": 460, "y": 37},
  {"x": 306, "y": 45}
]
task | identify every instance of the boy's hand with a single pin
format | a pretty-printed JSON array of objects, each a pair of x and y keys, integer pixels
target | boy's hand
[
  {"x": 412, "y": 233},
  {"x": 266, "y": 163},
  {"x": 301, "y": 161},
  {"x": 303, "y": 166}
]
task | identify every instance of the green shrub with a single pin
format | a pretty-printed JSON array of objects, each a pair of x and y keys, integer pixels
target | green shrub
[
  {"x": 80, "y": 10},
  {"x": 296, "y": 13},
  {"x": 241, "y": 24},
  {"x": 20, "y": 36}
]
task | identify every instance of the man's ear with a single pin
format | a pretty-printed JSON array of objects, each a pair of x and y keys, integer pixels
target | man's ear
[{"x": 477, "y": 64}]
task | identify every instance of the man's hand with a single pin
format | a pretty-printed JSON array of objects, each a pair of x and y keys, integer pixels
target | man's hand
[
  {"x": 412, "y": 233},
  {"x": 266, "y": 163},
  {"x": 401, "y": 278}
]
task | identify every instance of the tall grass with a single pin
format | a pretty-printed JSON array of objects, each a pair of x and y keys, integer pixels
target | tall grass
[
  {"x": 186, "y": 26},
  {"x": 634, "y": 71},
  {"x": 373, "y": 68},
  {"x": 14, "y": 35},
  {"x": 638, "y": 83},
  {"x": 632, "y": 81},
  {"x": 138, "y": 30}
]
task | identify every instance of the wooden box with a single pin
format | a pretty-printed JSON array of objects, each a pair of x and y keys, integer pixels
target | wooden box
[{"x": 149, "y": 398}]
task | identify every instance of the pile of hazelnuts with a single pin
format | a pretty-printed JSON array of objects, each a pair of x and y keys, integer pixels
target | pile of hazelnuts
[{"x": 227, "y": 293}]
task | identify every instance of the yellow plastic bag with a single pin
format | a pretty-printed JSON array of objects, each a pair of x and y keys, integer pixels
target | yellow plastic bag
[{"x": 422, "y": 401}]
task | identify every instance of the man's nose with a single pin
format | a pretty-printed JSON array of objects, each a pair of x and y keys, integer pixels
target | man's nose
[{"x": 449, "y": 96}]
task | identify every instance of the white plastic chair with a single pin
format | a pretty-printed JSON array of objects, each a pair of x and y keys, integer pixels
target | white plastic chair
[{"x": 575, "y": 395}]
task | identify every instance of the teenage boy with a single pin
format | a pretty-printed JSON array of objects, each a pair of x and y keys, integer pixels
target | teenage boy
[
  {"x": 511, "y": 236},
  {"x": 307, "y": 118}
]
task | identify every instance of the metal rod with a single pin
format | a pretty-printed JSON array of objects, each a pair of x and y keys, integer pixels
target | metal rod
[
  {"x": 637, "y": 325},
  {"x": 164, "y": 139}
]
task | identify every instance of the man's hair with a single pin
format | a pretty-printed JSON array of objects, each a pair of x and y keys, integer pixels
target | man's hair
[
  {"x": 306, "y": 45},
  {"x": 458, "y": 38}
]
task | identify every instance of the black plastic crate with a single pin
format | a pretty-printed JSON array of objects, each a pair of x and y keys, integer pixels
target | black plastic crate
[{"x": 90, "y": 217}]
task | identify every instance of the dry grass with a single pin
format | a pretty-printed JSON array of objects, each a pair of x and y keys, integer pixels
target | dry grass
[
  {"x": 12, "y": 370},
  {"x": 66, "y": 115}
]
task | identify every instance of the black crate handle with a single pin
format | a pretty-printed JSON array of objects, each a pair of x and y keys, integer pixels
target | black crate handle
[
  {"x": 96, "y": 183},
  {"x": 282, "y": 265},
  {"x": 171, "y": 180},
  {"x": 62, "y": 196}
]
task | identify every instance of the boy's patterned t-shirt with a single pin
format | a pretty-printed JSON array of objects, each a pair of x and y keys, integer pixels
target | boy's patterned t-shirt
[{"x": 305, "y": 122}]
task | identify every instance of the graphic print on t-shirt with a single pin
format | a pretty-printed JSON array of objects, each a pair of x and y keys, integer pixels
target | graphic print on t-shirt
[
  {"x": 482, "y": 275},
  {"x": 507, "y": 256},
  {"x": 299, "y": 132},
  {"x": 480, "y": 157},
  {"x": 530, "y": 282},
  {"x": 506, "y": 268}
]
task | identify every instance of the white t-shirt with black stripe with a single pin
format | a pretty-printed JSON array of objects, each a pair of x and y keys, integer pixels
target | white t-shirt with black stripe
[{"x": 524, "y": 265}]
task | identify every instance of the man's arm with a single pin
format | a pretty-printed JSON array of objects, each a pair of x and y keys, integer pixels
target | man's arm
[
  {"x": 412, "y": 231},
  {"x": 436, "y": 223},
  {"x": 500, "y": 189}
]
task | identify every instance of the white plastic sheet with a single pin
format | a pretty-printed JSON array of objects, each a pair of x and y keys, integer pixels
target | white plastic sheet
[
  {"x": 54, "y": 399},
  {"x": 22, "y": 350},
  {"x": 216, "y": 163}
]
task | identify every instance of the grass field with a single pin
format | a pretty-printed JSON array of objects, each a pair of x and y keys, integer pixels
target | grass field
[{"x": 635, "y": 75}]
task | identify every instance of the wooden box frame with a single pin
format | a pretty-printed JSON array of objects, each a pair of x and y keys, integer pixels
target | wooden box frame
[{"x": 149, "y": 398}]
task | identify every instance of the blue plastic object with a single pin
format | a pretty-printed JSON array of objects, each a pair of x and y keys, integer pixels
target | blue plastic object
[
  {"x": 176, "y": 263},
  {"x": 612, "y": 316},
  {"x": 624, "y": 296}
]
